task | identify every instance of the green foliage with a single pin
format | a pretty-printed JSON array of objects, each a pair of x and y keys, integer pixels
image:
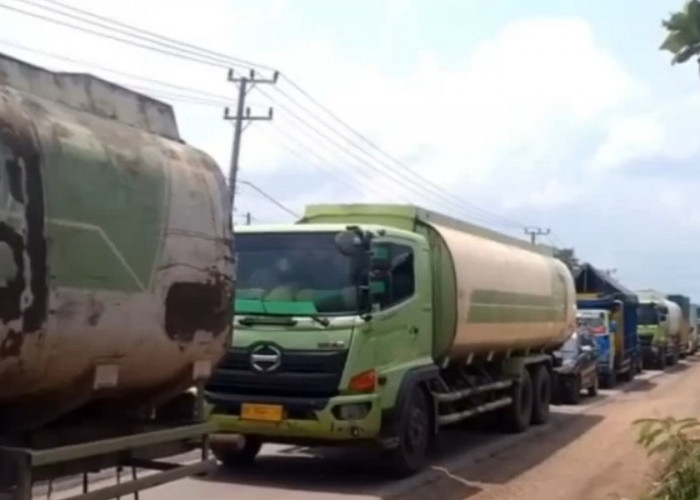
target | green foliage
[
  {"x": 678, "y": 441},
  {"x": 683, "y": 40}
]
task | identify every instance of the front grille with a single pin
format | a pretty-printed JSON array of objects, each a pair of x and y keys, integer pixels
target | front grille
[
  {"x": 300, "y": 373},
  {"x": 646, "y": 340}
]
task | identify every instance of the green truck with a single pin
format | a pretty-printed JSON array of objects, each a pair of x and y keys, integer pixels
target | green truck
[
  {"x": 659, "y": 323},
  {"x": 380, "y": 324}
]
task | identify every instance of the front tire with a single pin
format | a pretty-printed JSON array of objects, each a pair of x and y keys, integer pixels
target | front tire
[
  {"x": 414, "y": 437},
  {"x": 542, "y": 395},
  {"x": 232, "y": 454}
]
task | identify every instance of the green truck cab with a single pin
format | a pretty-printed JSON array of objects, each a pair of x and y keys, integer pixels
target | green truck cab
[
  {"x": 658, "y": 329},
  {"x": 361, "y": 324}
]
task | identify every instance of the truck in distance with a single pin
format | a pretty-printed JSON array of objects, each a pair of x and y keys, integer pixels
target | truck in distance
[
  {"x": 380, "y": 324},
  {"x": 615, "y": 308},
  {"x": 659, "y": 329}
]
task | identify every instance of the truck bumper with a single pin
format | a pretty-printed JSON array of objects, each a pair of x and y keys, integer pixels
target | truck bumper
[{"x": 303, "y": 419}]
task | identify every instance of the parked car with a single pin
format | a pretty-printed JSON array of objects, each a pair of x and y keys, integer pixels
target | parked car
[{"x": 578, "y": 370}]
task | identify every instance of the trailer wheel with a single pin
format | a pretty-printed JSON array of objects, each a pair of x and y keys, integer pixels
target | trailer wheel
[
  {"x": 234, "y": 454},
  {"x": 542, "y": 395},
  {"x": 517, "y": 416},
  {"x": 414, "y": 436}
]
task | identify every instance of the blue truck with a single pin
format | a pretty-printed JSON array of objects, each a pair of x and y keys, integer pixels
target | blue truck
[{"x": 609, "y": 311}]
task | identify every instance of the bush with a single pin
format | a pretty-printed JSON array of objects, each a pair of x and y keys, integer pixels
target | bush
[{"x": 678, "y": 441}]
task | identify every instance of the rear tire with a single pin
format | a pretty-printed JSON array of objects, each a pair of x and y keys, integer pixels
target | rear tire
[
  {"x": 542, "y": 395},
  {"x": 232, "y": 454},
  {"x": 517, "y": 416},
  {"x": 610, "y": 380},
  {"x": 410, "y": 454}
]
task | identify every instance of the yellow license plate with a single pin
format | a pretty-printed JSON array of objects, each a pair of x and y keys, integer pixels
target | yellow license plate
[{"x": 266, "y": 413}]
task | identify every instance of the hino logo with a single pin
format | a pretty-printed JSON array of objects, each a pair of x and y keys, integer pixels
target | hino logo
[{"x": 265, "y": 358}]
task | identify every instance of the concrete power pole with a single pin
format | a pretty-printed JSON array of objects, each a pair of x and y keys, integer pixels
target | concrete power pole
[
  {"x": 245, "y": 85},
  {"x": 534, "y": 232}
]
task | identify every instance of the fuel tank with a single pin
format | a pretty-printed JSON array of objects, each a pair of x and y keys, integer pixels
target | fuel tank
[{"x": 115, "y": 248}]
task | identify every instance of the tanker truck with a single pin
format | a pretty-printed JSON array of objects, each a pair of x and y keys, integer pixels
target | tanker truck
[
  {"x": 659, "y": 329},
  {"x": 115, "y": 287},
  {"x": 687, "y": 326},
  {"x": 380, "y": 325}
]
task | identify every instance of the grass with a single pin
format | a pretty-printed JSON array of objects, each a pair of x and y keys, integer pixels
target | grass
[{"x": 677, "y": 441}]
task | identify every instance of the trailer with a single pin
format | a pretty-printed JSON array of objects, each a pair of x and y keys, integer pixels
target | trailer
[{"x": 116, "y": 289}]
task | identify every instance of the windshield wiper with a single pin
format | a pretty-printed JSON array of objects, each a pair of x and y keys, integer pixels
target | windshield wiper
[
  {"x": 267, "y": 320},
  {"x": 321, "y": 320}
]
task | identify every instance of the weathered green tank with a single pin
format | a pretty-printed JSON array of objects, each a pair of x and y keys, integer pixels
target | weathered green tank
[{"x": 115, "y": 248}]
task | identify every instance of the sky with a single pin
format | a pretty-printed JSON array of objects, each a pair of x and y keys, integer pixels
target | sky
[{"x": 560, "y": 114}]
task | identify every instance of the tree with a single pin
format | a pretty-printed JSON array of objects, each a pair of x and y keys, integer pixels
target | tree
[{"x": 683, "y": 40}]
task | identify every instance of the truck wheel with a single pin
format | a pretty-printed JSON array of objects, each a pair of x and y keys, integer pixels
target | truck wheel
[
  {"x": 609, "y": 380},
  {"x": 661, "y": 362},
  {"x": 673, "y": 358},
  {"x": 542, "y": 395},
  {"x": 593, "y": 389},
  {"x": 233, "y": 454},
  {"x": 517, "y": 416},
  {"x": 414, "y": 437}
]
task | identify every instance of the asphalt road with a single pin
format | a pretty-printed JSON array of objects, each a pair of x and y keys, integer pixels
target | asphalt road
[{"x": 573, "y": 452}]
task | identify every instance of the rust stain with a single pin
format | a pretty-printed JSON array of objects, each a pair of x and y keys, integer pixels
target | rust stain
[
  {"x": 191, "y": 307},
  {"x": 22, "y": 167}
]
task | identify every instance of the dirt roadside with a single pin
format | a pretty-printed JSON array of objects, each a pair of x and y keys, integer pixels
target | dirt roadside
[{"x": 593, "y": 457}]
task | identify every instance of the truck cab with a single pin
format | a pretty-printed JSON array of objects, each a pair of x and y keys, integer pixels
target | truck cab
[
  {"x": 653, "y": 334},
  {"x": 316, "y": 352},
  {"x": 597, "y": 322}
]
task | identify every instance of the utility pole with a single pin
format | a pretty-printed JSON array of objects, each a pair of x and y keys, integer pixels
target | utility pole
[
  {"x": 243, "y": 115},
  {"x": 248, "y": 218},
  {"x": 534, "y": 232}
]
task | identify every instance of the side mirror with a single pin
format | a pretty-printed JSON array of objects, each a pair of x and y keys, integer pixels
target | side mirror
[
  {"x": 349, "y": 243},
  {"x": 662, "y": 318}
]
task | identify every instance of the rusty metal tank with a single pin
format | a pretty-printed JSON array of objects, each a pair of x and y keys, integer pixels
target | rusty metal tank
[
  {"x": 115, "y": 248},
  {"x": 492, "y": 294}
]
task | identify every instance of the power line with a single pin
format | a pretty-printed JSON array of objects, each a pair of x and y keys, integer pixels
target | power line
[
  {"x": 205, "y": 56},
  {"x": 270, "y": 198}
]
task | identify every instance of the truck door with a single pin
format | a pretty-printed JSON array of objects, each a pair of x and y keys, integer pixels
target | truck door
[{"x": 401, "y": 297}]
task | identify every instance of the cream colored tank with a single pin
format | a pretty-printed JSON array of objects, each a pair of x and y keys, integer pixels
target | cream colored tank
[{"x": 508, "y": 298}]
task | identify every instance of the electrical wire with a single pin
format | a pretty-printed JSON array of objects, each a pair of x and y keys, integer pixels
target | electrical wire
[{"x": 205, "y": 56}]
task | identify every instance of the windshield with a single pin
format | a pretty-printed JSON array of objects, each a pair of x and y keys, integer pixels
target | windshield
[
  {"x": 595, "y": 324},
  {"x": 647, "y": 314},
  {"x": 293, "y": 274}
]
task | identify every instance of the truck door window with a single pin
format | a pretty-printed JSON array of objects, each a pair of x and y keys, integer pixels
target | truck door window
[{"x": 392, "y": 276}]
